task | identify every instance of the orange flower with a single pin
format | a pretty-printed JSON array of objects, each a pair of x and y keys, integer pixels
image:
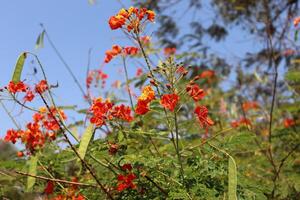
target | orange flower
[
  {"x": 242, "y": 121},
  {"x": 20, "y": 154},
  {"x": 110, "y": 54},
  {"x": 202, "y": 115},
  {"x": 41, "y": 87},
  {"x": 147, "y": 94},
  {"x": 195, "y": 92},
  {"x": 288, "y": 122},
  {"x": 116, "y": 22},
  {"x": 248, "y": 105},
  {"x": 169, "y": 101},
  {"x": 208, "y": 74},
  {"x": 169, "y": 51},
  {"x": 150, "y": 15},
  {"x": 131, "y": 18},
  {"x": 16, "y": 87},
  {"x": 296, "y": 21}
]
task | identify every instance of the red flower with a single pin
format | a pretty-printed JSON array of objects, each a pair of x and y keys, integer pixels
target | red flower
[
  {"x": 12, "y": 136},
  {"x": 241, "y": 121},
  {"x": 250, "y": 105},
  {"x": 288, "y": 122},
  {"x": 169, "y": 101},
  {"x": 29, "y": 96},
  {"x": 110, "y": 54},
  {"x": 49, "y": 188},
  {"x": 195, "y": 92},
  {"x": 139, "y": 72},
  {"x": 126, "y": 181},
  {"x": 130, "y": 51},
  {"x": 126, "y": 167},
  {"x": 16, "y": 87},
  {"x": 202, "y": 115},
  {"x": 208, "y": 74},
  {"x": 150, "y": 15},
  {"x": 142, "y": 107},
  {"x": 181, "y": 70},
  {"x": 41, "y": 87},
  {"x": 100, "y": 111},
  {"x": 122, "y": 112}
]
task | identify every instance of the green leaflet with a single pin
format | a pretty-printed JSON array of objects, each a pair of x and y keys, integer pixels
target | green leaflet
[
  {"x": 40, "y": 41},
  {"x": 32, "y": 165},
  {"x": 19, "y": 67},
  {"x": 232, "y": 179},
  {"x": 85, "y": 140}
]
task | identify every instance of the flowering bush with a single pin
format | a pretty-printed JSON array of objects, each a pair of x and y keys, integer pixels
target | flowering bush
[{"x": 179, "y": 139}]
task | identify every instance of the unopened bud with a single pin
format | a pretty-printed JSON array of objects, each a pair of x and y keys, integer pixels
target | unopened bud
[
  {"x": 153, "y": 82},
  {"x": 168, "y": 86}
]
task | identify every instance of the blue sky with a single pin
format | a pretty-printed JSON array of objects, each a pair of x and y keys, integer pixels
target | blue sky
[{"x": 74, "y": 27}]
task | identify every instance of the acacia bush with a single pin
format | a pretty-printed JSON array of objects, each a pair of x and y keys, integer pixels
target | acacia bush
[{"x": 177, "y": 134}]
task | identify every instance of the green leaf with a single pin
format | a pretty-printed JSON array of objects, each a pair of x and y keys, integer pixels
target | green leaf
[
  {"x": 32, "y": 166},
  {"x": 19, "y": 68},
  {"x": 40, "y": 41},
  {"x": 296, "y": 35},
  {"x": 232, "y": 179},
  {"x": 85, "y": 140}
]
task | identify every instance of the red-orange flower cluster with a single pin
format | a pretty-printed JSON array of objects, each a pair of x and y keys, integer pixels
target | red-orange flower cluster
[
  {"x": 117, "y": 50},
  {"x": 126, "y": 181},
  {"x": 169, "y": 101},
  {"x": 16, "y": 87},
  {"x": 105, "y": 110},
  {"x": 144, "y": 100},
  {"x": 131, "y": 18},
  {"x": 43, "y": 127},
  {"x": 20, "y": 86}
]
